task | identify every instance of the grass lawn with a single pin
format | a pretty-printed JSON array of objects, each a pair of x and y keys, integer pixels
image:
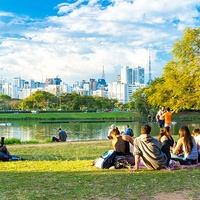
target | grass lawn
[
  {"x": 71, "y": 116},
  {"x": 65, "y": 171},
  {"x": 93, "y": 116}
]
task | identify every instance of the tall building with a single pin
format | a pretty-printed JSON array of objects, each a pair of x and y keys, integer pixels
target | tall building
[
  {"x": 93, "y": 84},
  {"x": 127, "y": 75},
  {"x": 53, "y": 81},
  {"x": 122, "y": 92},
  {"x": 138, "y": 75}
]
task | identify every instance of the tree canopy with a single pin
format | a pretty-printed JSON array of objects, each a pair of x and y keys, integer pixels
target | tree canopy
[
  {"x": 67, "y": 101},
  {"x": 179, "y": 85}
]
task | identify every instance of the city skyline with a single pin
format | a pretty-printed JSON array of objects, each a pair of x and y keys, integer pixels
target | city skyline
[
  {"x": 15, "y": 79},
  {"x": 74, "y": 39}
]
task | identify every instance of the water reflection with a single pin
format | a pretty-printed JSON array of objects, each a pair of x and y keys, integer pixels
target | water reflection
[{"x": 34, "y": 130}]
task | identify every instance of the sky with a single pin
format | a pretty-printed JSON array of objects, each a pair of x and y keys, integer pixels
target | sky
[{"x": 75, "y": 40}]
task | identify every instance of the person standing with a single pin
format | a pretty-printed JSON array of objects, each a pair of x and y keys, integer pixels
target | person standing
[
  {"x": 160, "y": 118},
  {"x": 168, "y": 118},
  {"x": 62, "y": 136},
  {"x": 149, "y": 149}
]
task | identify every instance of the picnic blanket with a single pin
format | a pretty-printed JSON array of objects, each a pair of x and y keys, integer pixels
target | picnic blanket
[{"x": 173, "y": 165}]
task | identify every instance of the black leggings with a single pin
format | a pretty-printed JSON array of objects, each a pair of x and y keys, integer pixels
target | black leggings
[{"x": 165, "y": 148}]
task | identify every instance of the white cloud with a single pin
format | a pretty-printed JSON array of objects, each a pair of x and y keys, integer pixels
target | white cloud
[{"x": 82, "y": 38}]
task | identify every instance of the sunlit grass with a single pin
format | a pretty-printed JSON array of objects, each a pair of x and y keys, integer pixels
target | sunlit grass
[{"x": 65, "y": 171}]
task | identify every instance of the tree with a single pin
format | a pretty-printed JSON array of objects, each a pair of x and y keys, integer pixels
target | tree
[
  {"x": 39, "y": 100},
  {"x": 140, "y": 101},
  {"x": 179, "y": 86},
  {"x": 182, "y": 73}
]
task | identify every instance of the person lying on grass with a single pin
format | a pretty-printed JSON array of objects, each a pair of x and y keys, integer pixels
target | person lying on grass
[
  {"x": 121, "y": 145},
  {"x": 149, "y": 149}
]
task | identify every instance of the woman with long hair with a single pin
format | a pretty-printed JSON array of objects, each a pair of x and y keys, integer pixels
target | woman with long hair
[
  {"x": 187, "y": 145},
  {"x": 167, "y": 141},
  {"x": 166, "y": 135}
]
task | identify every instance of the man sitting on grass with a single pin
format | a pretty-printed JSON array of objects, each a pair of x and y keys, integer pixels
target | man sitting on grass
[
  {"x": 62, "y": 136},
  {"x": 149, "y": 149}
]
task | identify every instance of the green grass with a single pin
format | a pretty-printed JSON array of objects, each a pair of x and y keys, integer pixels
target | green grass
[
  {"x": 70, "y": 116},
  {"x": 93, "y": 116},
  {"x": 65, "y": 171}
]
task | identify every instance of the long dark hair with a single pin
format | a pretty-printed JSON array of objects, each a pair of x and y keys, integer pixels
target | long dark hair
[
  {"x": 115, "y": 132},
  {"x": 163, "y": 131},
  {"x": 187, "y": 138}
]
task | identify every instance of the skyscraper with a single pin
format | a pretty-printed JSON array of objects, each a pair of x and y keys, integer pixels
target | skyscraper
[
  {"x": 138, "y": 75},
  {"x": 127, "y": 75}
]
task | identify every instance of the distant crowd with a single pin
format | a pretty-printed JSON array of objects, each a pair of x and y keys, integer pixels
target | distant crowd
[{"x": 157, "y": 152}]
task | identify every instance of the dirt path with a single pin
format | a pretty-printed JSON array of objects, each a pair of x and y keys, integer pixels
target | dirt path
[{"x": 178, "y": 195}]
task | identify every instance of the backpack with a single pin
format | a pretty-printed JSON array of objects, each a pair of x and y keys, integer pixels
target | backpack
[
  {"x": 106, "y": 160},
  {"x": 120, "y": 162},
  {"x": 131, "y": 132}
]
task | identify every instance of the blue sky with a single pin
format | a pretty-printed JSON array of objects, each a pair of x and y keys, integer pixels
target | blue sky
[{"x": 75, "y": 39}]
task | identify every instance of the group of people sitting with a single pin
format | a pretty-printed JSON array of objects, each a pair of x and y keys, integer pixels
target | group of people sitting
[{"x": 158, "y": 153}]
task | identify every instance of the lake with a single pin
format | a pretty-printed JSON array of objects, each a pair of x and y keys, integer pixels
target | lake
[{"x": 35, "y": 130}]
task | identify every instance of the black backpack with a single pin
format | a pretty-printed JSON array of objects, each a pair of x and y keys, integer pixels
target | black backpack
[{"x": 131, "y": 132}]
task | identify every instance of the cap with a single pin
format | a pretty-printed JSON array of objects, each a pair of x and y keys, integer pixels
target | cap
[{"x": 113, "y": 126}]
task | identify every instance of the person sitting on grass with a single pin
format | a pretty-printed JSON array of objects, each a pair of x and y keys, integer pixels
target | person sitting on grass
[
  {"x": 62, "y": 136},
  {"x": 166, "y": 140},
  {"x": 149, "y": 149},
  {"x": 196, "y": 135},
  {"x": 186, "y": 149},
  {"x": 121, "y": 145}
]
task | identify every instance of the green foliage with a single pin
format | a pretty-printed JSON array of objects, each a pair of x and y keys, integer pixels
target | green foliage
[
  {"x": 179, "y": 86},
  {"x": 30, "y": 142},
  {"x": 140, "y": 101},
  {"x": 39, "y": 100},
  {"x": 12, "y": 141},
  {"x": 4, "y": 97},
  {"x": 42, "y": 100}
]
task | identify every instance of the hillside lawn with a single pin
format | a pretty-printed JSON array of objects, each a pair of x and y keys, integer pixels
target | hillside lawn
[{"x": 60, "y": 171}]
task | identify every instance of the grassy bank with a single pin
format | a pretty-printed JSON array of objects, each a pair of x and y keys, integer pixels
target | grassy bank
[
  {"x": 92, "y": 116},
  {"x": 64, "y": 171},
  {"x": 71, "y": 116}
]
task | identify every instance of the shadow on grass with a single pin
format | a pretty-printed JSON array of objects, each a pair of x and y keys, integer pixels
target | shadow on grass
[
  {"x": 44, "y": 157},
  {"x": 95, "y": 184}
]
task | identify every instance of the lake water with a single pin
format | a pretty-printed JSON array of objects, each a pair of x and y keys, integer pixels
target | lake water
[{"x": 35, "y": 130}]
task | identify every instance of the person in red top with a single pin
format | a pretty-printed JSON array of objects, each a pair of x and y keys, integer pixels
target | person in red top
[{"x": 168, "y": 118}]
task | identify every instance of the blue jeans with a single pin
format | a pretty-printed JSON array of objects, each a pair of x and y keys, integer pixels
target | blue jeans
[
  {"x": 161, "y": 123},
  {"x": 182, "y": 160}
]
